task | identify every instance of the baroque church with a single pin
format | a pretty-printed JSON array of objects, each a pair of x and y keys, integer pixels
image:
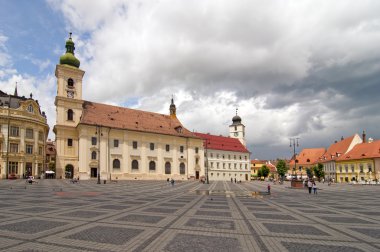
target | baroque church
[{"x": 100, "y": 141}]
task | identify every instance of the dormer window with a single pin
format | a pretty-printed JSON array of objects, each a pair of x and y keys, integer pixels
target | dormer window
[
  {"x": 30, "y": 108},
  {"x": 70, "y": 83},
  {"x": 178, "y": 129}
]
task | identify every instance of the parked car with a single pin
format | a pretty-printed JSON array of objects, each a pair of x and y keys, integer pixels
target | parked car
[{"x": 12, "y": 176}]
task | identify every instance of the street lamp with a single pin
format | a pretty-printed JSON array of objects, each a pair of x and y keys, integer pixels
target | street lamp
[
  {"x": 206, "y": 144},
  {"x": 294, "y": 144},
  {"x": 98, "y": 129}
]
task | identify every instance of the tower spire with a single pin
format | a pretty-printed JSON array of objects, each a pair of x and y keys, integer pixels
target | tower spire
[
  {"x": 172, "y": 108},
  {"x": 15, "y": 93},
  {"x": 68, "y": 58}
]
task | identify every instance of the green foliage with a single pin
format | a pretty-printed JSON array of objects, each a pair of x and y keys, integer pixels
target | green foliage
[
  {"x": 259, "y": 173},
  {"x": 265, "y": 171},
  {"x": 309, "y": 172},
  {"x": 281, "y": 168},
  {"x": 318, "y": 171}
]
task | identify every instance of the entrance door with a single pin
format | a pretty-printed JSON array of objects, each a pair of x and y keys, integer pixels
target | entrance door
[
  {"x": 196, "y": 174},
  {"x": 246, "y": 177},
  {"x": 94, "y": 172},
  {"x": 28, "y": 168}
]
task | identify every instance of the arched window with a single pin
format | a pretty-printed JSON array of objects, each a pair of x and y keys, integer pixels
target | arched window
[
  {"x": 70, "y": 83},
  {"x": 93, "y": 155},
  {"x": 182, "y": 169},
  {"x": 152, "y": 166},
  {"x": 135, "y": 165},
  {"x": 116, "y": 164},
  {"x": 70, "y": 115},
  {"x": 168, "y": 168}
]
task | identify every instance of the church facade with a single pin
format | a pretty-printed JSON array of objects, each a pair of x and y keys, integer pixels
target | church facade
[
  {"x": 100, "y": 141},
  {"x": 23, "y": 133}
]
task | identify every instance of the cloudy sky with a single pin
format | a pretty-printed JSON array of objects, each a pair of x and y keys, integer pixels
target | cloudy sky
[{"x": 307, "y": 69}]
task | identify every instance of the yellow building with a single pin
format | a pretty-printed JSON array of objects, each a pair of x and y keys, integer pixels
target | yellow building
[
  {"x": 23, "y": 133},
  {"x": 360, "y": 164},
  {"x": 101, "y": 141},
  {"x": 255, "y": 166},
  {"x": 307, "y": 158}
]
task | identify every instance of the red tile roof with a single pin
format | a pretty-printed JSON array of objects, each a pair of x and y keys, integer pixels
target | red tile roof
[
  {"x": 337, "y": 149},
  {"x": 222, "y": 143},
  {"x": 98, "y": 114},
  {"x": 361, "y": 151},
  {"x": 255, "y": 161},
  {"x": 309, "y": 156}
]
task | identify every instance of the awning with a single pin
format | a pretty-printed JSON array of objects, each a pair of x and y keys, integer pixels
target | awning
[{"x": 49, "y": 172}]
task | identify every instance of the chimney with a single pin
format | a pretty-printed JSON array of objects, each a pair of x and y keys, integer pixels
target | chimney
[
  {"x": 335, "y": 141},
  {"x": 363, "y": 136},
  {"x": 342, "y": 138}
]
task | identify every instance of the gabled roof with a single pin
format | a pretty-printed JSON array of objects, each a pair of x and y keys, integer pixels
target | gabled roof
[
  {"x": 309, "y": 156},
  {"x": 256, "y": 161},
  {"x": 222, "y": 143},
  {"x": 337, "y": 149},
  {"x": 98, "y": 114},
  {"x": 363, "y": 150}
]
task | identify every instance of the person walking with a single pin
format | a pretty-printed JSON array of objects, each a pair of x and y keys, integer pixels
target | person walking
[
  {"x": 315, "y": 188},
  {"x": 309, "y": 185},
  {"x": 268, "y": 188}
]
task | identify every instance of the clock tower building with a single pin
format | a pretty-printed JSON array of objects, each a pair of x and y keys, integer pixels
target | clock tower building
[
  {"x": 237, "y": 129},
  {"x": 69, "y": 105}
]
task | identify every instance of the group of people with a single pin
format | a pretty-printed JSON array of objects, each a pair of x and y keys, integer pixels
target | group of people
[
  {"x": 312, "y": 186},
  {"x": 170, "y": 181}
]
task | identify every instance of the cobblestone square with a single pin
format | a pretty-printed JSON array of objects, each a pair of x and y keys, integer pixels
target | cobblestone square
[{"x": 55, "y": 215}]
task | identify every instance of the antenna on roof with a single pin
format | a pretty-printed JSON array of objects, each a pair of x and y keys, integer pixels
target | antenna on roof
[
  {"x": 70, "y": 34},
  {"x": 237, "y": 110}
]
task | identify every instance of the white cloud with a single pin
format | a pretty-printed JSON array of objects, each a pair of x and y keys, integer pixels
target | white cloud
[{"x": 292, "y": 68}]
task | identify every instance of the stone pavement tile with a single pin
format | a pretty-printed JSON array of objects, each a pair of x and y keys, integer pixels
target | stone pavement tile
[
  {"x": 107, "y": 237},
  {"x": 6, "y": 243},
  {"x": 214, "y": 225},
  {"x": 369, "y": 234},
  {"x": 43, "y": 247},
  {"x": 344, "y": 220},
  {"x": 88, "y": 215},
  {"x": 113, "y": 207},
  {"x": 32, "y": 228},
  {"x": 274, "y": 216},
  {"x": 179, "y": 240},
  {"x": 317, "y": 211},
  {"x": 298, "y": 230},
  {"x": 281, "y": 244}
]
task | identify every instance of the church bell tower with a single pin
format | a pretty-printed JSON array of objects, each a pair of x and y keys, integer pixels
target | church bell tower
[{"x": 237, "y": 129}]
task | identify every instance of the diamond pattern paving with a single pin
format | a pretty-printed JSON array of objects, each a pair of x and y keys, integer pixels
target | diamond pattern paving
[
  {"x": 111, "y": 235},
  {"x": 32, "y": 226},
  {"x": 293, "y": 229},
  {"x": 221, "y": 224},
  {"x": 198, "y": 243},
  {"x": 301, "y": 247}
]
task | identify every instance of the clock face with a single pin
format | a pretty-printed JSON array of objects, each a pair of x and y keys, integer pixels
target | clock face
[
  {"x": 236, "y": 134},
  {"x": 70, "y": 94}
]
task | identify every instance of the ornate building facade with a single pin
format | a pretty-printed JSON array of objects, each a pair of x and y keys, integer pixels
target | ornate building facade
[
  {"x": 101, "y": 141},
  {"x": 227, "y": 157},
  {"x": 23, "y": 133}
]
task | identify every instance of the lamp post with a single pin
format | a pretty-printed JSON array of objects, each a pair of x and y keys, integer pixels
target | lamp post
[
  {"x": 98, "y": 129},
  {"x": 206, "y": 144},
  {"x": 294, "y": 144}
]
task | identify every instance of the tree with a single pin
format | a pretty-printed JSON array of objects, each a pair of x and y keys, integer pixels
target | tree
[
  {"x": 265, "y": 171},
  {"x": 281, "y": 168},
  {"x": 309, "y": 172},
  {"x": 318, "y": 171},
  {"x": 259, "y": 173}
]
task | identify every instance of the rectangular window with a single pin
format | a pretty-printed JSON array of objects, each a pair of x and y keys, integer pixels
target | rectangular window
[
  {"x": 13, "y": 147},
  {"x": 352, "y": 168},
  {"x": 369, "y": 167},
  {"x": 94, "y": 140},
  {"x": 116, "y": 143},
  {"x": 40, "y": 135},
  {"x": 134, "y": 144},
  {"x": 196, "y": 150},
  {"x": 361, "y": 168},
  {"x": 13, "y": 168},
  {"x": 29, "y": 149},
  {"x": 196, "y": 161},
  {"x": 181, "y": 149},
  {"x": 15, "y": 131},
  {"x": 70, "y": 142},
  {"x": 217, "y": 165},
  {"x": 40, "y": 150},
  {"x": 29, "y": 133},
  {"x": 151, "y": 146},
  {"x": 167, "y": 148}
]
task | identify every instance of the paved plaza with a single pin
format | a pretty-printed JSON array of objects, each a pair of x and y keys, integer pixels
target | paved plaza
[{"x": 55, "y": 215}]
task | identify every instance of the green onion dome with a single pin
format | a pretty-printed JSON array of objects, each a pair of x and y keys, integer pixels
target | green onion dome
[{"x": 68, "y": 58}]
